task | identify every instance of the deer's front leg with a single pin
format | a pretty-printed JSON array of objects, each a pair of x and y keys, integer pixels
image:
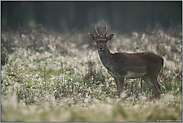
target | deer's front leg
[
  {"x": 120, "y": 85},
  {"x": 116, "y": 80}
]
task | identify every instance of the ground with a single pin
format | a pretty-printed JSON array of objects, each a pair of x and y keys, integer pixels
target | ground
[{"x": 46, "y": 76}]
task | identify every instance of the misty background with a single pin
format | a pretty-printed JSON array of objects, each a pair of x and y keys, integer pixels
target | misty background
[{"x": 60, "y": 15}]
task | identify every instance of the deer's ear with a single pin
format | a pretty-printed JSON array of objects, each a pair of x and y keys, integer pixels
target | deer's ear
[
  {"x": 93, "y": 37},
  {"x": 110, "y": 37}
]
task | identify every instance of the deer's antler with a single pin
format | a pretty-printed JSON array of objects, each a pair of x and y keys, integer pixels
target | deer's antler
[
  {"x": 105, "y": 30},
  {"x": 96, "y": 30}
]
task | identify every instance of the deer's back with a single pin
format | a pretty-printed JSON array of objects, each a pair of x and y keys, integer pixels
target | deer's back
[{"x": 144, "y": 61}]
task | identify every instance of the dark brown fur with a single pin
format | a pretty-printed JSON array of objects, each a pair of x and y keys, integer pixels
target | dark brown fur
[{"x": 143, "y": 65}]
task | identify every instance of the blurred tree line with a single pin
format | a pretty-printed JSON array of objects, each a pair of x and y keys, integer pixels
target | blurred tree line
[{"x": 61, "y": 15}]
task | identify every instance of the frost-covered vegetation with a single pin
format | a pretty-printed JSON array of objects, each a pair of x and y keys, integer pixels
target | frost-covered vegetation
[{"x": 46, "y": 76}]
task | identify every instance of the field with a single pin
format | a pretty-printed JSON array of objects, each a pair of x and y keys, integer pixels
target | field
[{"x": 52, "y": 77}]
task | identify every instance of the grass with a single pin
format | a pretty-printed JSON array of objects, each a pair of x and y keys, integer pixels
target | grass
[
  {"x": 97, "y": 112},
  {"x": 66, "y": 84}
]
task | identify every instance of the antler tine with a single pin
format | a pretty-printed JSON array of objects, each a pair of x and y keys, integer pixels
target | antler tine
[
  {"x": 96, "y": 30},
  {"x": 105, "y": 30}
]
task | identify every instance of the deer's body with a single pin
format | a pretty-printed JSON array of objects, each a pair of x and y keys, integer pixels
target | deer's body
[{"x": 123, "y": 66}]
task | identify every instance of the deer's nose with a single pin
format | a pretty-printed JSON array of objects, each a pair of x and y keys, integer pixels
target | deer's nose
[{"x": 101, "y": 47}]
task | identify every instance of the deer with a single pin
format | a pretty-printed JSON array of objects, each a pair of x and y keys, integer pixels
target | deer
[{"x": 122, "y": 66}]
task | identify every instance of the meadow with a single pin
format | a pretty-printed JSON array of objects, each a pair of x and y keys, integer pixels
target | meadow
[{"x": 48, "y": 76}]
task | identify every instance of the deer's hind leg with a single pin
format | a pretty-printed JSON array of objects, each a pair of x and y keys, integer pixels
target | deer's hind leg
[
  {"x": 157, "y": 92},
  {"x": 153, "y": 84}
]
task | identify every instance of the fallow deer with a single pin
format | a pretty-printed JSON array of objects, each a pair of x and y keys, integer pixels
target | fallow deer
[{"x": 123, "y": 65}]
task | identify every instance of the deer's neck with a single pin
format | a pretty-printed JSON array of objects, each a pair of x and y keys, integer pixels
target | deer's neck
[{"x": 105, "y": 56}]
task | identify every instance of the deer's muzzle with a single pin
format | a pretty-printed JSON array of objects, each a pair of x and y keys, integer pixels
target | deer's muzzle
[{"x": 100, "y": 47}]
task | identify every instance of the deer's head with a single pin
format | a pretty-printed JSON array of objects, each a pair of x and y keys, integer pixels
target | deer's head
[{"x": 101, "y": 40}]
